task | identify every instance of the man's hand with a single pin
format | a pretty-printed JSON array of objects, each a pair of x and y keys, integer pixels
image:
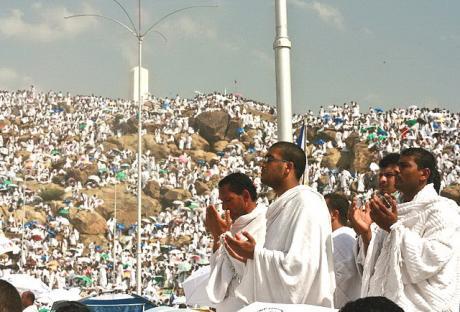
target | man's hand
[
  {"x": 215, "y": 224},
  {"x": 240, "y": 248},
  {"x": 361, "y": 221},
  {"x": 381, "y": 214}
]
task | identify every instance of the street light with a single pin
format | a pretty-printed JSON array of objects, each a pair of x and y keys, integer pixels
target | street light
[{"x": 137, "y": 32}]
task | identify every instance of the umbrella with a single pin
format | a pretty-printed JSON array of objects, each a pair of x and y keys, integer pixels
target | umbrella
[
  {"x": 121, "y": 226},
  {"x": 183, "y": 159},
  {"x": 184, "y": 267},
  {"x": 6, "y": 245},
  {"x": 24, "y": 282},
  {"x": 378, "y": 110},
  {"x": 94, "y": 178},
  {"x": 87, "y": 280},
  {"x": 411, "y": 122},
  {"x": 121, "y": 176},
  {"x": 63, "y": 211},
  {"x": 124, "y": 166}
]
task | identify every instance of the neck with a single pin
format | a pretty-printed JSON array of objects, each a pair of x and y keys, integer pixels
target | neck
[
  {"x": 409, "y": 196},
  {"x": 336, "y": 225},
  {"x": 285, "y": 187}
]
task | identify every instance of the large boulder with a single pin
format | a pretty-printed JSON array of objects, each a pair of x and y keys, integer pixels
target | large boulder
[
  {"x": 352, "y": 140},
  {"x": 126, "y": 204},
  {"x": 201, "y": 187},
  {"x": 363, "y": 157},
  {"x": 152, "y": 189},
  {"x": 202, "y": 155},
  {"x": 219, "y": 146},
  {"x": 452, "y": 192},
  {"x": 87, "y": 221},
  {"x": 199, "y": 143},
  {"x": 331, "y": 159},
  {"x": 170, "y": 195},
  {"x": 160, "y": 151},
  {"x": 216, "y": 126},
  {"x": 325, "y": 135}
]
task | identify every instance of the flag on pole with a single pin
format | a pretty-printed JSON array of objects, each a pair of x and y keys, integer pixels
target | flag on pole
[{"x": 302, "y": 143}]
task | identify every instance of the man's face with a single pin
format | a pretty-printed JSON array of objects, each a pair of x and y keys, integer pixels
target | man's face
[
  {"x": 273, "y": 168},
  {"x": 232, "y": 202},
  {"x": 409, "y": 178},
  {"x": 387, "y": 179}
]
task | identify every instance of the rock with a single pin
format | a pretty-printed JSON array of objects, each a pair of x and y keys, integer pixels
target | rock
[
  {"x": 219, "y": 146},
  {"x": 346, "y": 160},
  {"x": 248, "y": 137},
  {"x": 128, "y": 142},
  {"x": 87, "y": 222},
  {"x": 325, "y": 135},
  {"x": 352, "y": 140},
  {"x": 452, "y": 192},
  {"x": 199, "y": 143},
  {"x": 126, "y": 204},
  {"x": 202, "y": 155},
  {"x": 331, "y": 159},
  {"x": 201, "y": 187},
  {"x": 159, "y": 151},
  {"x": 232, "y": 129},
  {"x": 171, "y": 195},
  {"x": 98, "y": 240},
  {"x": 363, "y": 157},
  {"x": 152, "y": 189},
  {"x": 262, "y": 115},
  {"x": 29, "y": 213},
  {"x": 213, "y": 126}
]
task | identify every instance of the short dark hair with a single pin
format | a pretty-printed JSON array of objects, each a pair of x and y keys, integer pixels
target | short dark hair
[
  {"x": 238, "y": 182},
  {"x": 10, "y": 301},
  {"x": 389, "y": 160},
  {"x": 340, "y": 203},
  {"x": 371, "y": 304},
  {"x": 69, "y": 306},
  {"x": 425, "y": 159},
  {"x": 291, "y": 152}
]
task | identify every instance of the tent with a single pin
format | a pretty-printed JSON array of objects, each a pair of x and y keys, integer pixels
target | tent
[{"x": 117, "y": 303}]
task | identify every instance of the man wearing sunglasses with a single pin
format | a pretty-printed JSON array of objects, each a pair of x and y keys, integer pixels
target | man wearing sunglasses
[{"x": 295, "y": 263}]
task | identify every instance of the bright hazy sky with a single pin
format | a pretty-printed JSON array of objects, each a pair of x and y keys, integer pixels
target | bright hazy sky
[{"x": 379, "y": 53}]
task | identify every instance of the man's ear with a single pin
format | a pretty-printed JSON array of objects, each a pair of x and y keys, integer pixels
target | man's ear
[
  {"x": 334, "y": 214},
  {"x": 426, "y": 173},
  {"x": 246, "y": 195}
]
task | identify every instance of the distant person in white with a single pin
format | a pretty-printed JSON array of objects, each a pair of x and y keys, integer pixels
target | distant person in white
[
  {"x": 413, "y": 257},
  {"x": 295, "y": 263},
  {"x": 238, "y": 195},
  {"x": 28, "y": 299},
  {"x": 347, "y": 277}
]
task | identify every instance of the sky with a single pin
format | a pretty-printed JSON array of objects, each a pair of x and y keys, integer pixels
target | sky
[{"x": 383, "y": 54}]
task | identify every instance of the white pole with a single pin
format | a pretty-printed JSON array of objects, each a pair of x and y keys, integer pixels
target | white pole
[
  {"x": 139, "y": 160},
  {"x": 114, "y": 252},
  {"x": 282, "y": 47}
]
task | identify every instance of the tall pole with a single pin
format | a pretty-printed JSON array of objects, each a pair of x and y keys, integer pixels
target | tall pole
[
  {"x": 139, "y": 160},
  {"x": 282, "y": 47},
  {"x": 140, "y": 37},
  {"x": 114, "y": 250}
]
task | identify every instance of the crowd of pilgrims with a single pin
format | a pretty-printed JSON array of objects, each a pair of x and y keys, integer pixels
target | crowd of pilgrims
[{"x": 55, "y": 127}]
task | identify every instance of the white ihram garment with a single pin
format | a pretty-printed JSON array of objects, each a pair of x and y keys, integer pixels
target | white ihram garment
[
  {"x": 295, "y": 264},
  {"x": 226, "y": 271}
]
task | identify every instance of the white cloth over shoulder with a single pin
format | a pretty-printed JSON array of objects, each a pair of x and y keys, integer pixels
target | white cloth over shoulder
[
  {"x": 347, "y": 276},
  {"x": 295, "y": 264},
  {"x": 226, "y": 272},
  {"x": 417, "y": 264}
]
